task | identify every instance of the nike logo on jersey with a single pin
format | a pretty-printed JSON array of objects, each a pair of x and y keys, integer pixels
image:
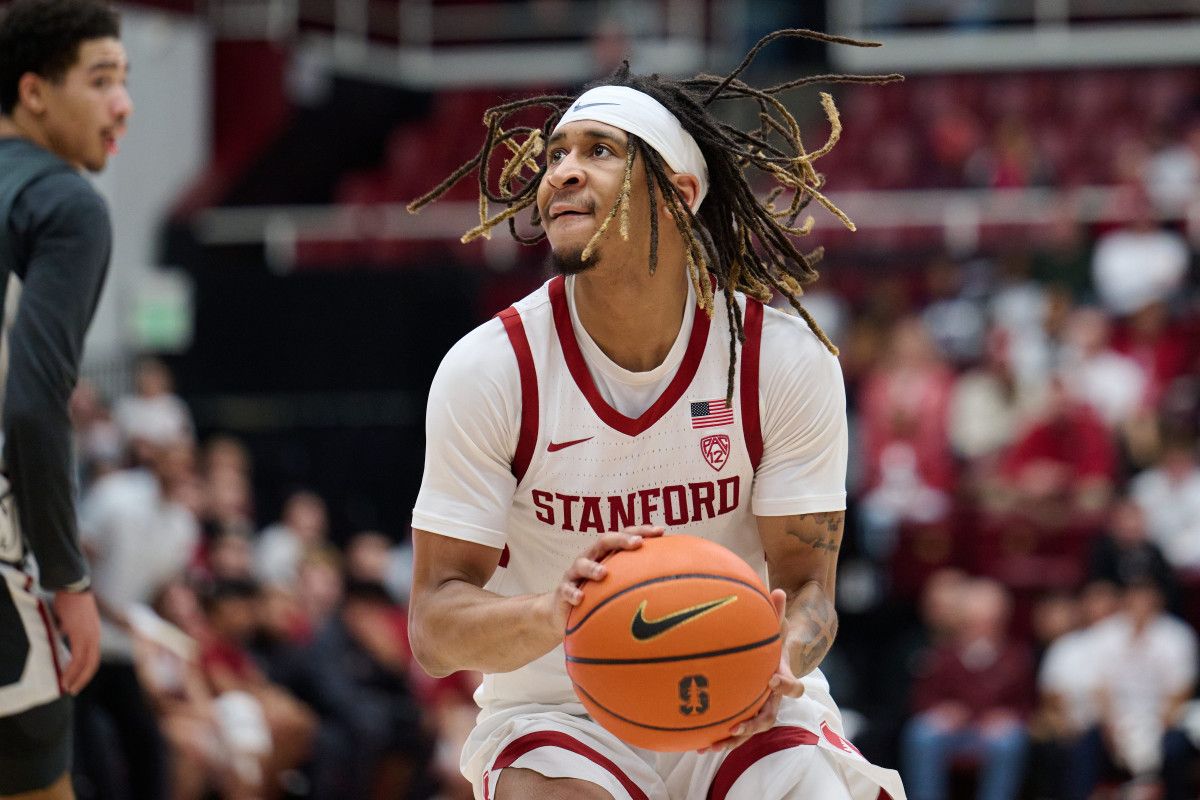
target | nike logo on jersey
[
  {"x": 646, "y": 629},
  {"x": 554, "y": 447}
]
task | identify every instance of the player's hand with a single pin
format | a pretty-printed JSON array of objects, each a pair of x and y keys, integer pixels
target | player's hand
[
  {"x": 79, "y": 622},
  {"x": 782, "y": 684},
  {"x": 587, "y": 567}
]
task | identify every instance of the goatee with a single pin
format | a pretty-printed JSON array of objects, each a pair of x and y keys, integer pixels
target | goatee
[{"x": 570, "y": 262}]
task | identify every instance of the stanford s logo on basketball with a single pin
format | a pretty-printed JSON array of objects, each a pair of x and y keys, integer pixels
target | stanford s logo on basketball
[
  {"x": 716, "y": 450},
  {"x": 692, "y": 693}
]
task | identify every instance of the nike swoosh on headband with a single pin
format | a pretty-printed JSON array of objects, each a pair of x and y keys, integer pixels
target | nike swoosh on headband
[{"x": 580, "y": 106}]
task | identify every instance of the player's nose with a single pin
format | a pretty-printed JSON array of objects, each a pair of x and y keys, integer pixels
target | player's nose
[
  {"x": 122, "y": 107},
  {"x": 567, "y": 172}
]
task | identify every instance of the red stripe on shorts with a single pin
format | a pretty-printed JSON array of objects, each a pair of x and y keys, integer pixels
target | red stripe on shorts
[
  {"x": 53, "y": 643},
  {"x": 757, "y": 747},
  {"x": 532, "y": 741}
]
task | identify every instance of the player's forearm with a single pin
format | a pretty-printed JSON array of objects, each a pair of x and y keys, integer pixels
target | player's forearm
[
  {"x": 460, "y": 626},
  {"x": 812, "y": 627},
  {"x": 37, "y": 454}
]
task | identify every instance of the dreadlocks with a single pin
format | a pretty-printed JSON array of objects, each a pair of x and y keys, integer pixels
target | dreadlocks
[{"x": 743, "y": 242}]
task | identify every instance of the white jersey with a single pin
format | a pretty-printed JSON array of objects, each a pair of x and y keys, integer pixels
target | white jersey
[{"x": 537, "y": 443}]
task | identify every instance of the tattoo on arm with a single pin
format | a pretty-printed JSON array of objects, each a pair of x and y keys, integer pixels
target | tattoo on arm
[
  {"x": 825, "y": 534},
  {"x": 815, "y": 626}
]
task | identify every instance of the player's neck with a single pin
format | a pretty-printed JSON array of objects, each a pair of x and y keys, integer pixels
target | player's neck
[
  {"x": 16, "y": 126},
  {"x": 632, "y": 316}
]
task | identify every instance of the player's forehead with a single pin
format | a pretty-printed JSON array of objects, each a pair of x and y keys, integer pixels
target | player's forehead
[
  {"x": 98, "y": 55},
  {"x": 586, "y": 130}
]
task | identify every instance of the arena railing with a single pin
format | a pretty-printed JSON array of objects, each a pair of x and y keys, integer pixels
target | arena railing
[
  {"x": 954, "y": 219},
  {"x": 927, "y": 36},
  {"x": 428, "y": 44}
]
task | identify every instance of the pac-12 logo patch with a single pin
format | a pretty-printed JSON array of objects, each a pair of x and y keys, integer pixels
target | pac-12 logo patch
[{"x": 716, "y": 450}]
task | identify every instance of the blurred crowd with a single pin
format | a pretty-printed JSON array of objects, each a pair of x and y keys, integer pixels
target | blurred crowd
[
  {"x": 241, "y": 663},
  {"x": 1021, "y": 580}
]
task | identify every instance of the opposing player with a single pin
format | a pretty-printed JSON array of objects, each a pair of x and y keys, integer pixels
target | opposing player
[
  {"x": 645, "y": 389},
  {"x": 63, "y": 107}
]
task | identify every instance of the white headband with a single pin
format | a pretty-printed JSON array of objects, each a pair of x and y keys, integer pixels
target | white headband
[{"x": 640, "y": 114}]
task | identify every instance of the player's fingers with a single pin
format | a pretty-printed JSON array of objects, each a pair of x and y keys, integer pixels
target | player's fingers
[
  {"x": 779, "y": 600},
  {"x": 786, "y": 685},
  {"x": 570, "y": 593},
  {"x": 584, "y": 569},
  {"x": 647, "y": 531},
  {"x": 627, "y": 539},
  {"x": 87, "y": 670},
  {"x": 85, "y": 659},
  {"x": 762, "y": 721}
]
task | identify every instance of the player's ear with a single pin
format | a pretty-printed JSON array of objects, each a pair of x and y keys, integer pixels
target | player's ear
[
  {"x": 688, "y": 186},
  {"x": 31, "y": 93}
]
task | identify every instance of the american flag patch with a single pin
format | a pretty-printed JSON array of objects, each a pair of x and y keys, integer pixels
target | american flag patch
[{"x": 711, "y": 413}]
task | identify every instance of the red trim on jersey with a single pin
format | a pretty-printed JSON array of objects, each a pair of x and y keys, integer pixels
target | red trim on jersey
[
  {"x": 583, "y": 379},
  {"x": 757, "y": 747},
  {"x": 504, "y": 556},
  {"x": 752, "y": 324},
  {"x": 529, "y": 390},
  {"x": 532, "y": 741},
  {"x": 53, "y": 643}
]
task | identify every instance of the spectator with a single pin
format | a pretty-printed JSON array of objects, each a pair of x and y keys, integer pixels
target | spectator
[
  {"x": 1030, "y": 314},
  {"x": 1062, "y": 468},
  {"x": 230, "y": 607},
  {"x": 1169, "y": 495},
  {"x": 971, "y": 698},
  {"x": 954, "y": 322},
  {"x": 168, "y": 667},
  {"x": 137, "y": 539},
  {"x": 230, "y": 556},
  {"x": 1173, "y": 174},
  {"x": 154, "y": 414},
  {"x": 1063, "y": 255},
  {"x": 318, "y": 585},
  {"x": 988, "y": 405},
  {"x": 303, "y": 526},
  {"x": 909, "y": 469},
  {"x": 1112, "y": 384},
  {"x": 97, "y": 439},
  {"x": 1139, "y": 264},
  {"x": 1068, "y": 688},
  {"x": 1125, "y": 555},
  {"x": 360, "y": 662},
  {"x": 371, "y": 556},
  {"x": 1147, "y": 670}
]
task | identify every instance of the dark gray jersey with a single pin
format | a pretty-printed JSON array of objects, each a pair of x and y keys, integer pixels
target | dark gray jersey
[{"x": 55, "y": 236}]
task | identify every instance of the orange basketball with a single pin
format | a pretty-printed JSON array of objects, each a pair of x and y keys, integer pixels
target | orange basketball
[{"x": 675, "y": 645}]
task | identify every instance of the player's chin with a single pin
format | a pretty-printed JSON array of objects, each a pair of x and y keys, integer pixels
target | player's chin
[
  {"x": 94, "y": 162},
  {"x": 569, "y": 260}
]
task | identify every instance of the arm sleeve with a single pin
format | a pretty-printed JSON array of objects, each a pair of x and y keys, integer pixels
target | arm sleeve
[
  {"x": 802, "y": 402},
  {"x": 471, "y": 428},
  {"x": 68, "y": 260}
]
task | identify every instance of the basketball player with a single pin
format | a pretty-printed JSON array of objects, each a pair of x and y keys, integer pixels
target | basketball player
[
  {"x": 644, "y": 390},
  {"x": 63, "y": 107}
]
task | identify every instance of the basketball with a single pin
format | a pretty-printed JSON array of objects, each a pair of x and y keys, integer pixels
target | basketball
[{"x": 675, "y": 645}]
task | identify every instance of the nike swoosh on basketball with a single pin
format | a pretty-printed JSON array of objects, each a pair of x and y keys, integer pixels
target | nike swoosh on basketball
[
  {"x": 554, "y": 447},
  {"x": 645, "y": 629}
]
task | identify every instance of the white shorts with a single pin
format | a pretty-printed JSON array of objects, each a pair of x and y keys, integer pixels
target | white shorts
[
  {"x": 31, "y": 653},
  {"x": 803, "y": 756}
]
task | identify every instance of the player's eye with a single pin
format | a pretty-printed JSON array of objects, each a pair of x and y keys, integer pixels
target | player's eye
[
  {"x": 555, "y": 156},
  {"x": 601, "y": 150}
]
